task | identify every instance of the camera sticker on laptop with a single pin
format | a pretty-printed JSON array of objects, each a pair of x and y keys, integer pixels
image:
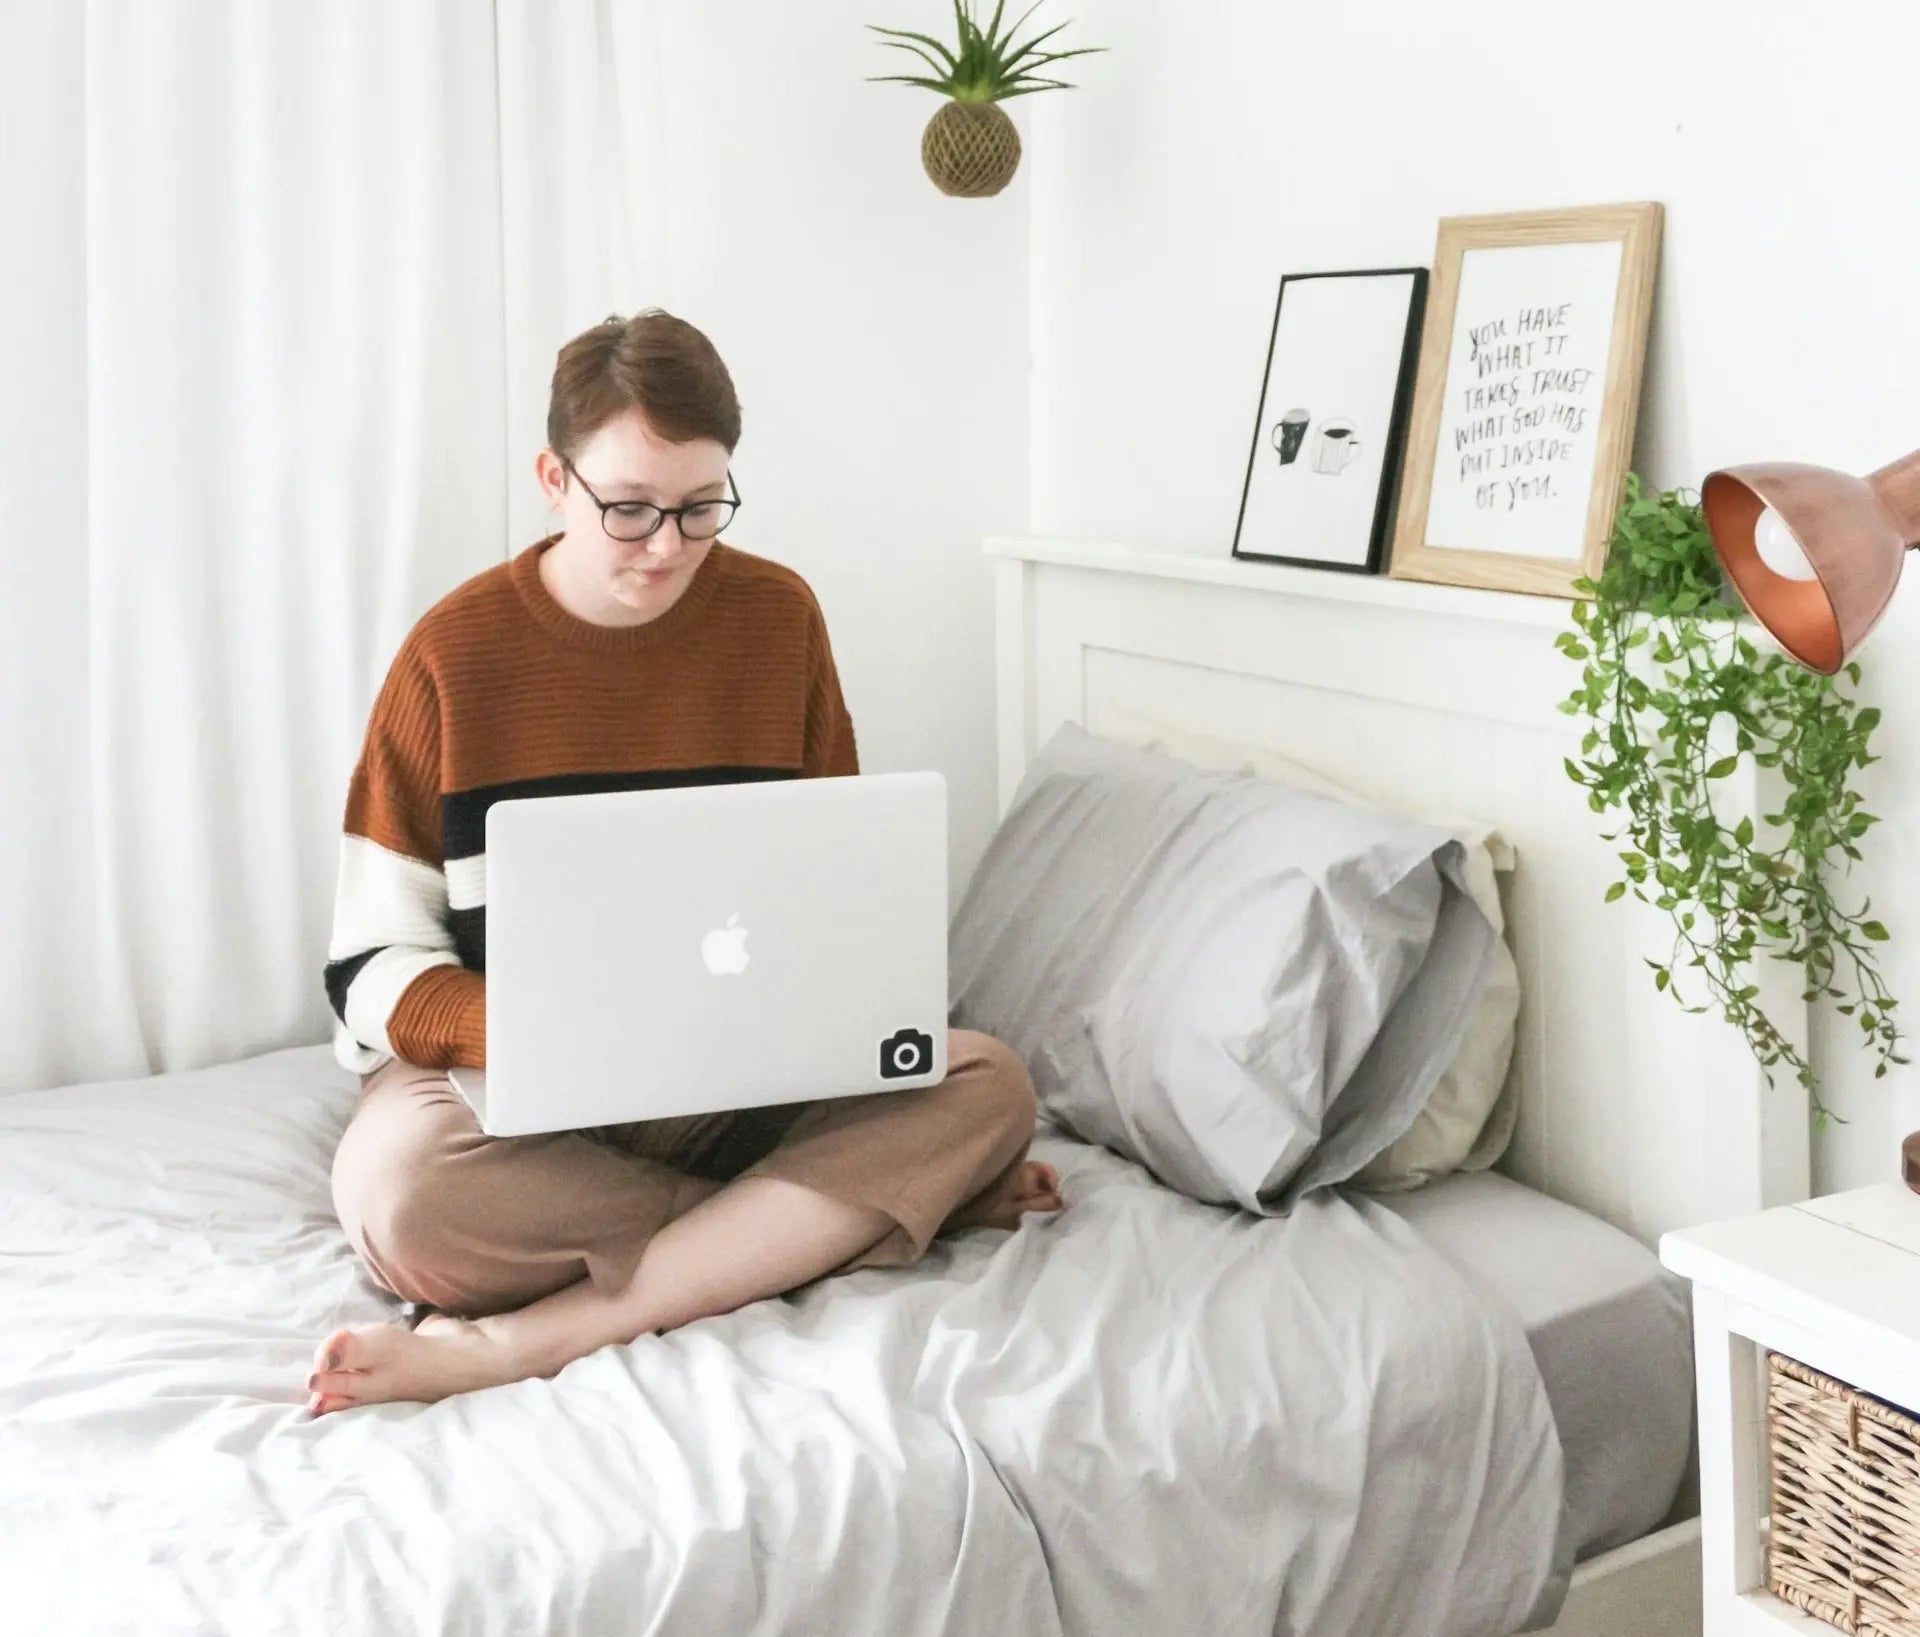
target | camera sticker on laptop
[{"x": 905, "y": 1053}]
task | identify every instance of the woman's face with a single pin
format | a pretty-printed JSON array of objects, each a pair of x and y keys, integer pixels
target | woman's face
[{"x": 629, "y": 582}]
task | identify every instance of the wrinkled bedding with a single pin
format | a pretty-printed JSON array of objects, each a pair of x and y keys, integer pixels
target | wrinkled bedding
[{"x": 1140, "y": 1415}]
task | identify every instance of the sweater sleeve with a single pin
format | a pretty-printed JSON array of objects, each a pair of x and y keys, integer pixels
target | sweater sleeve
[
  {"x": 829, "y": 750},
  {"x": 394, "y": 980}
]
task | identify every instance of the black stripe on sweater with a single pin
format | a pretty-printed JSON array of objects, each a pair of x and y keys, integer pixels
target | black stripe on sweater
[
  {"x": 463, "y": 813},
  {"x": 340, "y": 976},
  {"x": 469, "y": 928}
]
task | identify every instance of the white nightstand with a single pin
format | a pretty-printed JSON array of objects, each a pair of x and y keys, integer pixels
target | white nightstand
[{"x": 1834, "y": 1283}]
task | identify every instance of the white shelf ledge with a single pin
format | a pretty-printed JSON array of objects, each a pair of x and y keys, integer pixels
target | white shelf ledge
[{"x": 1375, "y": 590}]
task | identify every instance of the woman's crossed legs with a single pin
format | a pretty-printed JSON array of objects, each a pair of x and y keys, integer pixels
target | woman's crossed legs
[{"x": 561, "y": 1245}]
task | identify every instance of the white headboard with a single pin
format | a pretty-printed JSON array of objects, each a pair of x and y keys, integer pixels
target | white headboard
[{"x": 1630, "y": 1108}]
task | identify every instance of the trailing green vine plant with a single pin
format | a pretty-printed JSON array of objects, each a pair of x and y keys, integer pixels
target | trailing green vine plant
[{"x": 1676, "y": 694}]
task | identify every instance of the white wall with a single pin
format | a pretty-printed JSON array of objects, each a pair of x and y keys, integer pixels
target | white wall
[
  {"x": 876, "y": 331},
  {"x": 1221, "y": 144}
]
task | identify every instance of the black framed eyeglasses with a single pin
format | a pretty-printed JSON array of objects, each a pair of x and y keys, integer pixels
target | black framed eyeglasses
[{"x": 630, "y": 521}]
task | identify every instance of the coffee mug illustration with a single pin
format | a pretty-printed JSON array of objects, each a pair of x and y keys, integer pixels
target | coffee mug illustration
[
  {"x": 1289, "y": 432},
  {"x": 1338, "y": 448}
]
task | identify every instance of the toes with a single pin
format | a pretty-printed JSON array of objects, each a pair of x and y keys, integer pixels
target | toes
[
  {"x": 1037, "y": 1181},
  {"x": 342, "y": 1361},
  {"x": 358, "y": 1351},
  {"x": 1046, "y": 1195},
  {"x": 361, "y": 1349},
  {"x": 335, "y": 1353},
  {"x": 1041, "y": 1191}
]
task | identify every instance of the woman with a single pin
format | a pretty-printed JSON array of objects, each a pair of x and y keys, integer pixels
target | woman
[{"x": 630, "y": 649}]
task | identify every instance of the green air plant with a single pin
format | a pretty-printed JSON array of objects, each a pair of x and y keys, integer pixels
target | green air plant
[
  {"x": 970, "y": 147},
  {"x": 1677, "y": 694}
]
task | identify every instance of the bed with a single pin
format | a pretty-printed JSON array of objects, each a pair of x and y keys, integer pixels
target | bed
[
  {"x": 1631, "y": 1111},
  {"x": 1081, "y": 1426},
  {"x": 1464, "y": 1410}
]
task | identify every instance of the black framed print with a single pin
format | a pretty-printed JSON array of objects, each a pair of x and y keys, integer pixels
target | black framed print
[{"x": 1332, "y": 422}]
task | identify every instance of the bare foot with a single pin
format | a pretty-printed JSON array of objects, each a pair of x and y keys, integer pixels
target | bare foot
[
  {"x": 1029, "y": 1186},
  {"x": 442, "y": 1355},
  {"x": 382, "y": 1363}
]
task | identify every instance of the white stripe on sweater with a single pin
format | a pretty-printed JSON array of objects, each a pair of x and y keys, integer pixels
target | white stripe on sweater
[
  {"x": 377, "y": 987},
  {"x": 384, "y": 897},
  {"x": 351, "y": 1055},
  {"x": 467, "y": 882},
  {"x": 397, "y": 905}
]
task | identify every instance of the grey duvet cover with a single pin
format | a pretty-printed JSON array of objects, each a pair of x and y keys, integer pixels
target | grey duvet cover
[{"x": 1143, "y": 1415}]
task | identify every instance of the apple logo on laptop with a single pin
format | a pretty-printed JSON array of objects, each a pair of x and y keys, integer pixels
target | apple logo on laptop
[{"x": 724, "y": 949}]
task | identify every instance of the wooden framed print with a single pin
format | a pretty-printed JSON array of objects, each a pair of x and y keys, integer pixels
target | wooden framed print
[
  {"x": 1329, "y": 432},
  {"x": 1528, "y": 390}
]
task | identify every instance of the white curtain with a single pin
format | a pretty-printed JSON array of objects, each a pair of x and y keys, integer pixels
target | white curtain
[{"x": 282, "y": 288}]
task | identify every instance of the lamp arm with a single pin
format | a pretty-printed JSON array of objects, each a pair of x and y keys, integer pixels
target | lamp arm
[{"x": 1897, "y": 485}]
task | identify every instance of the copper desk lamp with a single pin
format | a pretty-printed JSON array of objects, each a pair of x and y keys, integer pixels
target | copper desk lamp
[{"x": 1815, "y": 555}]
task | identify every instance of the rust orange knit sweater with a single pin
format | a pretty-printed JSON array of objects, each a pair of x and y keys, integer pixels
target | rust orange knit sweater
[{"x": 499, "y": 693}]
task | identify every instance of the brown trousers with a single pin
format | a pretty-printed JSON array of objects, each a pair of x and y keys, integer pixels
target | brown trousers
[{"x": 445, "y": 1215}]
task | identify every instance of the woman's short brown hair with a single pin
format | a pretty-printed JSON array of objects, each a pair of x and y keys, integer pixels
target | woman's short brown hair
[{"x": 652, "y": 362}]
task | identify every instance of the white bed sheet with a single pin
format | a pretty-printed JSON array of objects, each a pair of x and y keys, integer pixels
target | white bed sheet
[{"x": 1143, "y": 1414}]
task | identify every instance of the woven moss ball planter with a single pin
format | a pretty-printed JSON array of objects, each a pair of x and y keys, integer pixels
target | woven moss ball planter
[{"x": 970, "y": 149}]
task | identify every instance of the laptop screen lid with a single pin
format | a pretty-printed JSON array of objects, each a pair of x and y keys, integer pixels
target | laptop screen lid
[{"x": 663, "y": 952}]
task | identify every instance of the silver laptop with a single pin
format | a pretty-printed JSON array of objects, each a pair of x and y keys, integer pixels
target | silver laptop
[{"x": 662, "y": 952}]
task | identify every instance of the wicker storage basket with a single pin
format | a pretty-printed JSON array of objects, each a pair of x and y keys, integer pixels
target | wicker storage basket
[{"x": 1845, "y": 1540}]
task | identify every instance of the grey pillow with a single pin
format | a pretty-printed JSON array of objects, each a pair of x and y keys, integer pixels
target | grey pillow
[{"x": 1249, "y": 989}]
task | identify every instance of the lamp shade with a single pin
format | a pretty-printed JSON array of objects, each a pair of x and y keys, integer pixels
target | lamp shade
[{"x": 1820, "y": 572}]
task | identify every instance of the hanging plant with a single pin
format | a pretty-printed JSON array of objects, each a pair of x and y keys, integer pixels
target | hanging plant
[
  {"x": 970, "y": 148},
  {"x": 1677, "y": 694}
]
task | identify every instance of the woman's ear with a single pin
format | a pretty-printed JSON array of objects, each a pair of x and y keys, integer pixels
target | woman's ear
[{"x": 552, "y": 476}]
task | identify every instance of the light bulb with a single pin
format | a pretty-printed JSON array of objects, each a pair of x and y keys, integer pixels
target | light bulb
[{"x": 1778, "y": 549}]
